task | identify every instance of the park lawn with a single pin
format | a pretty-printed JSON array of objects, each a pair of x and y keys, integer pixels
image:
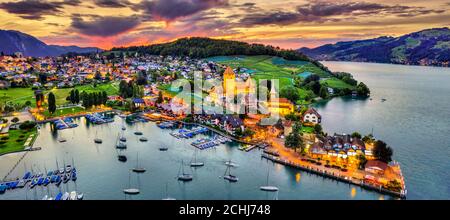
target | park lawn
[
  {"x": 62, "y": 94},
  {"x": 336, "y": 84},
  {"x": 22, "y": 95},
  {"x": 17, "y": 95},
  {"x": 65, "y": 111},
  {"x": 308, "y": 130},
  {"x": 12, "y": 144}
]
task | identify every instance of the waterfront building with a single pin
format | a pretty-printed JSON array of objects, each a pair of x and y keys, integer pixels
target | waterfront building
[{"x": 312, "y": 117}]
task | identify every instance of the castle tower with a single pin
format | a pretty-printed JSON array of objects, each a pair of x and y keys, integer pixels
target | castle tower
[{"x": 229, "y": 80}]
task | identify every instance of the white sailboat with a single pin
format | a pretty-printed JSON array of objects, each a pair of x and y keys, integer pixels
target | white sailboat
[
  {"x": 138, "y": 169},
  {"x": 122, "y": 137},
  {"x": 228, "y": 176},
  {"x": 130, "y": 191},
  {"x": 167, "y": 194},
  {"x": 97, "y": 140},
  {"x": 267, "y": 187},
  {"x": 231, "y": 164},
  {"x": 121, "y": 145},
  {"x": 194, "y": 162},
  {"x": 183, "y": 176}
]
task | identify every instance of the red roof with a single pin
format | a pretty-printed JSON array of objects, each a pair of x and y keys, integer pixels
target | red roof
[{"x": 312, "y": 111}]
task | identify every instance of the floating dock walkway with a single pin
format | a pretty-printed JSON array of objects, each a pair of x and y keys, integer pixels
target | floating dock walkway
[{"x": 336, "y": 176}]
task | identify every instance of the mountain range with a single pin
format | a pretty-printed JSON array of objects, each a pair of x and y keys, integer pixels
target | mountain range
[
  {"x": 15, "y": 41},
  {"x": 429, "y": 47}
]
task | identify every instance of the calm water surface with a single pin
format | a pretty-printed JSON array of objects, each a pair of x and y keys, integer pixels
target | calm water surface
[{"x": 414, "y": 121}]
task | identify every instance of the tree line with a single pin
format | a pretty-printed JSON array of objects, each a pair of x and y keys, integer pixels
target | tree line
[{"x": 198, "y": 47}]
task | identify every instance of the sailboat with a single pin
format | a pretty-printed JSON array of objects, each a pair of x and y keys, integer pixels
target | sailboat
[
  {"x": 97, "y": 140},
  {"x": 138, "y": 169},
  {"x": 163, "y": 148},
  {"x": 228, "y": 176},
  {"x": 231, "y": 164},
  {"x": 194, "y": 162},
  {"x": 167, "y": 194},
  {"x": 130, "y": 191},
  {"x": 267, "y": 187},
  {"x": 121, "y": 157},
  {"x": 123, "y": 125},
  {"x": 61, "y": 139},
  {"x": 183, "y": 176},
  {"x": 122, "y": 137},
  {"x": 120, "y": 144}
]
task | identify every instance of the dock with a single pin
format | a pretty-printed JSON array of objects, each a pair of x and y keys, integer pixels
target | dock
[{"x": 335, "y": 176}]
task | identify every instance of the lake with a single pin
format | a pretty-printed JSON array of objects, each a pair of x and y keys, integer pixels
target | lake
[{"x": 414, "y": 120}]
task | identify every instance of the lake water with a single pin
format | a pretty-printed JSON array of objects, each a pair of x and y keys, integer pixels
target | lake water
[
  {"x": 413, "y": 120},
  {"x": 102, "y": 176}
]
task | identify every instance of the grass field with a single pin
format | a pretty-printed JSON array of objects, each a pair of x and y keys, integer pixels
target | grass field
[
  {"x": 64, "y": 111},
  {"x": 308, "y": 130},
  {"x": 16, "y": 140},
  {"x": 17, "y": 95},
  {"x": 21, "y": 95},
  {"x": 268, "y": 67},
  {"x": 336, "y": 83}
]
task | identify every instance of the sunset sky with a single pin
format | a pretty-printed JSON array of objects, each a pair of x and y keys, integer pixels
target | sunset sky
[{"x": 284, "y": 23}]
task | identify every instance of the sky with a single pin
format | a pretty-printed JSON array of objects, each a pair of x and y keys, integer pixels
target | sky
[{"x": 289, "y": 24}]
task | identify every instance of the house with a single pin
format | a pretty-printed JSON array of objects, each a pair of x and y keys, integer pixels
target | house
[
  {"x": 287, "y": 124},
  {"x": 317, "y": 149},
  {"x": 280, "y": 106},
  {"x": 376, "y": 167},
  {"x": 138, "y": 103},
  {"x": 312, "y": 117}
]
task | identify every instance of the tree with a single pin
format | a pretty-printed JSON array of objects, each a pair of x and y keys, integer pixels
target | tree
[
  {"x": 318, "y": 128},
  {"x": 356, "y": 135},
  {"x": 362, "y": 89},
  {"x": 323, "y": 93},
  {"x": 382, "y": 152},
  {"x": 294, "y": 141},
  {"x": 123, "y": 89},
  {"x": 160, "y": 98},
  {"x": 72, "y": 96},
  {"x": 297, "y": 127},
  {"x": 51, "y": 103},
  {"x": 77, "y": 96},
  {"x": 290, "y": 93},
  {"x": 104, "y": 97}
]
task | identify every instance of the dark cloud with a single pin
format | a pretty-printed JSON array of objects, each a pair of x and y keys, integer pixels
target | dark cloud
[
  {"x": 32, "y": 9},
  {"x": 112, "y": 3},
  {"x": 71, "y": 2},
  {"x": 170, "y": 10},
  {"x": 320, "y": 11},
  {"x": 104, "y": 26}
]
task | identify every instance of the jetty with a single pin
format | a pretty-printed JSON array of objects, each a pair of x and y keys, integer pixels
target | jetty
[{"x": 336, "y": 176}]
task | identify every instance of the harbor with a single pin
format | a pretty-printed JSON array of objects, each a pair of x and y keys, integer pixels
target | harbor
[{"x": 102, "y": 176}]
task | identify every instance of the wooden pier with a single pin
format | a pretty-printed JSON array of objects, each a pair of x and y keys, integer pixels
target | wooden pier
[{"x": 336, "y": 176}]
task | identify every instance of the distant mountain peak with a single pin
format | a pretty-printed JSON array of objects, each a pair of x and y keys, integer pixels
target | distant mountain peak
[
  {"x": 12, "y": 41},
  {"x": 425, "y": 47}
]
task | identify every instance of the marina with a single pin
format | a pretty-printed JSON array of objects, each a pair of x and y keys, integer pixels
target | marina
[{"x": 164, "y": 166}]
